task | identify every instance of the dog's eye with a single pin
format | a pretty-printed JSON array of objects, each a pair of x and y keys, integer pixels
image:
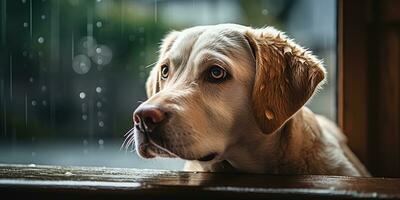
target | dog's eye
[
  {"x": 216, "y": 74},
  {"x": 164, "y": 72}
]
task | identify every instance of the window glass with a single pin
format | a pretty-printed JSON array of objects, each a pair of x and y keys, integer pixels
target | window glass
[{"x": 73, "y": 71}]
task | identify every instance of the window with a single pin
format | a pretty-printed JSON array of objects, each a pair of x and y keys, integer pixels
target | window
[{"x": 73, "y": 71}]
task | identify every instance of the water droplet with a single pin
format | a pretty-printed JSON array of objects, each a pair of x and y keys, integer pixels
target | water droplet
[
  {"x": 41, "y": 40},
  {"x": 43, "y": 16},
  {"x": 98, "y": 89},
  {"x": 31, "y": 79},
  {"x": 34, "y": 103},
  {"x": 101, "y": 141},
  {"x": 99, "y": 114},
  {"x": 25, "y": 24},
  {"x": 99, "y": 24},
  {"x": 84, "y": 117},
  {"x": 99, "y": 104},
  {"x": 44, "y": 103},
  {"x": 85, "y": 143},
  {"x": 40, "y": 53},
  {"x": 25, "y": 53},
  {"x": 81, "y": 64},
  {"x": 23, "y": 1},
  {"x": 103, "y": 55},
  {"x": 33, "y": 154},
  {"x": 43, "y": 88},
  {"x": 98, "y": 1},
  {"x": 264, "y": 12},
  {"x": 101, "y": 123},
  {"x": 85, "y": 151},
  {"x": 82, "y": 95},
  {"x": 68, "y": 174}
]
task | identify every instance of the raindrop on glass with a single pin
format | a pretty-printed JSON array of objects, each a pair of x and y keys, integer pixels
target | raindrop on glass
[
  {"x": 99, "y": 114},
  {"x": 98, "y": 89},
  {"x": 101, "y": 123},
  {"x": 44, "y": 103},
  {"x": 85, "y": 142},
  {"x": 98, "y": 1},
  {"x": 84, "y": 117},
  {"x": 82, "y": 95},
  {"x": 40, "y": 53},
  {"x": 85, "y": 151},
  {"x": 23, "y": 1},
  {"x": 103, "y": 55},
  {"x": 41, "y": 40},
  {"x": 99, "y": 104},
  {"x": 101, "y": 141},
  {"x": 264, "y": 12},
  {"x": 81, "y": 64},
  {"x": 99, "y": 24},
  {"x": 43, "y": 88},
  {"x": 33, "y": 154},
  {"x": 43, "y": 17},
  {"x": 25, "y": 53},
  {"x": 34, "y": 103},
  {"x": 31, "y": 79},
  {"x": 25, "y": 24}
]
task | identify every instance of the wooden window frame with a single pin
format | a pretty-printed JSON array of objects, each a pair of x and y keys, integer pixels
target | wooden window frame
[{"x": 369, "y": 82}]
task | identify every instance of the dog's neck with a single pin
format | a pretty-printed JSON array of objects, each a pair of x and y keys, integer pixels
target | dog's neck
[{"x": 272, "y": 153}]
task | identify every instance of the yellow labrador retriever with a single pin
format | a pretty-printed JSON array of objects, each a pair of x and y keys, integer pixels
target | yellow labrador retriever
[{"x": 231, "y": 98}]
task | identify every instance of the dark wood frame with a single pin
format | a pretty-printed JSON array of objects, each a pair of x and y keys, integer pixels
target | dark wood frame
[{"x": 369, "y": 81}]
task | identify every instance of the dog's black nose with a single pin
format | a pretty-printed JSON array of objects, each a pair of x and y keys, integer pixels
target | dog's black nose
[{"x": 147, "y": 117}]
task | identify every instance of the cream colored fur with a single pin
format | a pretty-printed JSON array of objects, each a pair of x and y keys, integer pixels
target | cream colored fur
[{"x": 255, "y": 121}]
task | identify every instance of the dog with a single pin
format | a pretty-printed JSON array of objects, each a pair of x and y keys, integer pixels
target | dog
[{"x": 232, "y": 98}]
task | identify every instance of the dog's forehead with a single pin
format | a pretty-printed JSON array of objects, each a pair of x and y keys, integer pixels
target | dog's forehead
[{"x": 226, "y": 39}]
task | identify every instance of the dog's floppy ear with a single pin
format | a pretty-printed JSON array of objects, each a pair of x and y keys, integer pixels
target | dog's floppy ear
[
  {"x": 153, "y": 84},
  {"x": 286, "y": 77}
]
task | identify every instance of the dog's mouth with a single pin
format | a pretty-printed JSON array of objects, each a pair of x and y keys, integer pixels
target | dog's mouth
[
  {"x": 148, "y": 148},
  {"x": 208, "y": 157}
]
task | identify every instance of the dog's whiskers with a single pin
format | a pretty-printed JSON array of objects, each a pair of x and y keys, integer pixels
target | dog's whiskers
[
  {"x": 129, "y": 140},
  {"x": 150, "y": 65}
]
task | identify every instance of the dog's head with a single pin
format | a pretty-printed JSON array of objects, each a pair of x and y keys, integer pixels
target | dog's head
[{"x": 214, "y": 85}]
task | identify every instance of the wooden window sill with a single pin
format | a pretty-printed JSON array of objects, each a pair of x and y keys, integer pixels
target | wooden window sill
[{"x": 85, "y": 182}]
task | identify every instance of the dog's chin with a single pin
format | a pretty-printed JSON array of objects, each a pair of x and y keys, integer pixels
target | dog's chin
[{"x": 148, "y": 148}]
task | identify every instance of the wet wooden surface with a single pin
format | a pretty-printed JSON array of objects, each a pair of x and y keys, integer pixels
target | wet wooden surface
[{"x": 99, "y": 183}]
